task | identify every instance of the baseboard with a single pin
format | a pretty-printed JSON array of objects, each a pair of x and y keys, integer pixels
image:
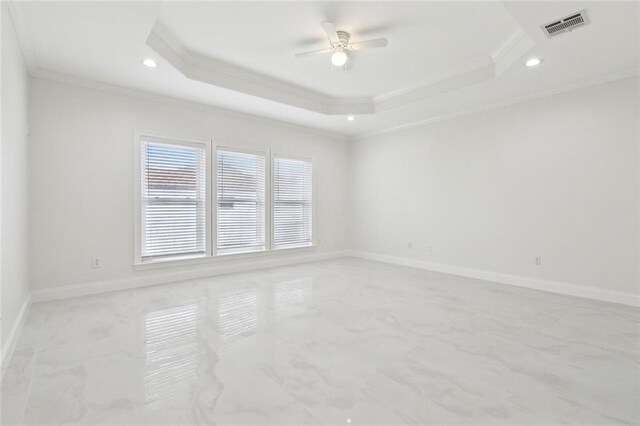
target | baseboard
[
  {"x": 165, "y": 277},
  {"x": 14, "y": 335},
  {"x": 149, "y": 278},
  {"x": 515, "y": 280}
]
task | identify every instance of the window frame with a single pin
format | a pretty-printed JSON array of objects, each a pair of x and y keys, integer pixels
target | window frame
[
  {"x": 211, "y": 211},
  {"x": 267, "y": 196},
  {"x": 139, "y": 138},
  {"x": 310, "y": 160}
]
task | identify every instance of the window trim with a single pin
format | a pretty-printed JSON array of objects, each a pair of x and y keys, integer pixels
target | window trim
[
  {"x": 137, "y": 194},
  {"x": 267, "y": 196},
  {"x": 208, "y": 260},
  {"x": 309, "y": 159},
  {"x": 211, "y": 149}
]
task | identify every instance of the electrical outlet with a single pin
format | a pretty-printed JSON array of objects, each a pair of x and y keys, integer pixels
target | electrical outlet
[
  {"x": 537, "y": 261},
  {"x": 96, "y": 262}
]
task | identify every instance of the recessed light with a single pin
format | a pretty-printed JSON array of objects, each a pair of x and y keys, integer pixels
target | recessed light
[
  {"x": 149, "y": 63},
  {"x": 533, "y": 62},
  {"x": 350, "y": 118}
]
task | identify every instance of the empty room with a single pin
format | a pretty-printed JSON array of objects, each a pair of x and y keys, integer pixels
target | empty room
[{"x": 322, "y": 213}]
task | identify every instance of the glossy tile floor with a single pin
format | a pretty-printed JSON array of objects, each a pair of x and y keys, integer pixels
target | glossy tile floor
[{"x": 336, "y": 342}]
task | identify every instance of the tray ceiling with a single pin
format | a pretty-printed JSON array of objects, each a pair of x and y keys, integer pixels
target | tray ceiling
[{"x": 443, "y": 58}]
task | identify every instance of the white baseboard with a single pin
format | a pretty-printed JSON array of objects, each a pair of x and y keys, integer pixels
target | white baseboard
[
  {"x": 148, "y": 278},
  {"x": 515, "y": 280},
  {"x": 224, "y": 266},
  {"x": 220, "y": 268},
  {"x": 14, "y": 335}
]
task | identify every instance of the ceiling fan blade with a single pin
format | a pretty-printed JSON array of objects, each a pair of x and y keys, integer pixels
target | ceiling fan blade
[
  {"x": 330, "y": 29},
  {"x": 313, "y": 52},
  {"x": 368, "y": 44}
]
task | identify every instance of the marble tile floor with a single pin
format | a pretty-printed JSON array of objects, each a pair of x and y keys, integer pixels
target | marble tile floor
[{"x": 338, "y": 342}]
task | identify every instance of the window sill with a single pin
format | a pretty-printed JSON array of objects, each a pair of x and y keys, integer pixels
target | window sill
[
  {"x": 170, "y": 261},
  {"x": 293, "y": 247},
  {"x": 200, "y": 259}
]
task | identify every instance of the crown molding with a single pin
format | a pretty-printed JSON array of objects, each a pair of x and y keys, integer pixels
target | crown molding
[
  {"x": 196, "y": 106},
  {"x": 459, "y": 70},
  {"x": 514, "y": 48},
  {"x": 456, "y": 79},
  {"x": 212, "y": 71},
  {"x": 24, "y": 39},
  {"x": 223, "y": 74},
  {"x": 181, "y": 103},
  {"x": 603, "y": 79},
  {"x": 502, "y": 58},
  {"x": 517, "y": 45}
]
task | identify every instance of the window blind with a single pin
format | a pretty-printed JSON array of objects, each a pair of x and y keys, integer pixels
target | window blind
[
  {"x": 173, "y": 198},
  {"x": 292, "y": 202},
  {"x": 240, "y": 206}
]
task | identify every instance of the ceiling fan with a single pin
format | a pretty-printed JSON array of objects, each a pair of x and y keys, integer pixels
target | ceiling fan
[{"x": 340, "y": 45}]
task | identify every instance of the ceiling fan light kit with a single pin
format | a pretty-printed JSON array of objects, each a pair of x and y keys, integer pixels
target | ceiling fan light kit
[
  {"x": 339, "y": 58},
  {"x": 339, "y": 41}
]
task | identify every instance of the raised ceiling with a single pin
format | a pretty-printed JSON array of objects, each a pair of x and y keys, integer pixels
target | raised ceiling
[
  {"x": 443, "y": 58},
  {"x": 426, "y": 40}
]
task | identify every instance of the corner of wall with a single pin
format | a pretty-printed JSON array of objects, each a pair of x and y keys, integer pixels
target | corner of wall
[{"x": 14, "y": 160}]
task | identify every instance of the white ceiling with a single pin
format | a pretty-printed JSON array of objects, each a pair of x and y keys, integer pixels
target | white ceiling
[
  {"x": 264, "y": 36},
  {"x": 443, "y": 58}
]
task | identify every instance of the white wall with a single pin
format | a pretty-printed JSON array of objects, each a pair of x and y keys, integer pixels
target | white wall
[
  {"x": 14, "y": 274},
  {"x": 555, "y": 177},
  {"x": 82, "y": 179}
]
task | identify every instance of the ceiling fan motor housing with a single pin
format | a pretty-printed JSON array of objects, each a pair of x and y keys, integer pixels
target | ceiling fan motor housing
[{"x": 343, "y": 36}]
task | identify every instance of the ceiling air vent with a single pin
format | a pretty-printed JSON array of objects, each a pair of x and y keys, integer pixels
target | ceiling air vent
[{"x": 568, "y": 23}]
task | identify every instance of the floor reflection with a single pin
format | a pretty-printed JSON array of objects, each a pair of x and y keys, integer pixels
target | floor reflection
[
  {"x": 292, "y": 297},
  {"x": 171, "y": 355},
  {"x": 238, "y": 317}
]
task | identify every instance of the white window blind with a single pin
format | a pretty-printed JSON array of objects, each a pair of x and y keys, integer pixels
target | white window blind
[
  {"x": 240, "y": 206},
  {"x": 173, "y": 198},
  {"x": 292, "y": 202}
]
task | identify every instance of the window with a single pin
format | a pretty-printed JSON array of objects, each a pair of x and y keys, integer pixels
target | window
[
  {"x": 173, "y": 201},
  {"x": 195, "y": 203},
  {"x": 241, "y": 201},
  {"x": 292, "y": 202}
]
